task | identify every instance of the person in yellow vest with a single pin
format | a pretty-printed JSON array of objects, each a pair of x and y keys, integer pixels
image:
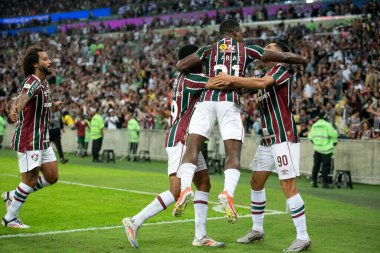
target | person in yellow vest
[
  {"x": 97, "y": 126},
  {"x": 133, "y": 127},
  {"x": 324, "y": 138}
]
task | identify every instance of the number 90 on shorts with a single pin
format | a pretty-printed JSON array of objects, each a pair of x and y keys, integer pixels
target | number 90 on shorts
[{"x": 282, "y": 158}]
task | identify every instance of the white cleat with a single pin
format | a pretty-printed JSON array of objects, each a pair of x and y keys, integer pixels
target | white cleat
[
  {"x": 131, "y": 230},
  {"x": 298, "y": 245},
  {"x": 207, "y": 242},
  {"x": 15, "y": 223},
  {"x": 252, "y": 236}
]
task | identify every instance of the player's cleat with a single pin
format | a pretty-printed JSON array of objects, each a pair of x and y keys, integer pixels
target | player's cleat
[
  {"x": 184, "y": 198},
  {"x": 7, "y": 198},
  {"x": 15, "y": 223},
  {"x": 228, "y": 204},
  {"x": 298, "y": 246},
  {"x": 131, "y": 231},
  {"x": 207, "y": 242},
  {"x": 252, "y": 236}
]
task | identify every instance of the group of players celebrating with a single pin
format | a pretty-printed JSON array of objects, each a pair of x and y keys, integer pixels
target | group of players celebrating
[{"x": 199, "y": 100}]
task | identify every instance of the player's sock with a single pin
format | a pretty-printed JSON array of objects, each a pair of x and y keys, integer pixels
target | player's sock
[
  {"x": 231, "y": 178},
  {"x": 186, "y": 173},
  {"x": 41, "y": 183},
  {"x": 20, "y": 196},
  {"x": 159, "y": 204},
  {"x": 297, "y": 210},
  {"x": 258, "y": 202},
  {"x": 200, "y": 210}
]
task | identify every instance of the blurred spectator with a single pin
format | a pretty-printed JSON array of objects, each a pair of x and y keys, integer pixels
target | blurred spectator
[
  {"x": 81, "y": 126},
  {"x": 2, "y": 129},
  {"x": 111, "y": 120},
  {"x": 55, "y": 129}
]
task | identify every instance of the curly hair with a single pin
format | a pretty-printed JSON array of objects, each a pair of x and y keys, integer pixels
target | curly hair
[{"x": 31, "y": 56}]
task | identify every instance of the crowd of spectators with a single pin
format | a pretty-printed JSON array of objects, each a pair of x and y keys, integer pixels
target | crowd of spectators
[
  {"x": 132, "y": 74},
  {"x": 131, "y": 9}
]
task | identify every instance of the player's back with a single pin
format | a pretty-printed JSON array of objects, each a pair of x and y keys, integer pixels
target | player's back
[
  {"x": 229, "y": 56},
  {"x": 186, "y": 90}
]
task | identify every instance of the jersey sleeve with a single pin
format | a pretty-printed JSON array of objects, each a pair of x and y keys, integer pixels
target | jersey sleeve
[
  {"x": 195, "y": 82},
  {"x": 254, "y": 52},
  {"x": 30, "y": 87},
  {"x": 203, "y": 52},
  {"x": 279, "y": 74}
]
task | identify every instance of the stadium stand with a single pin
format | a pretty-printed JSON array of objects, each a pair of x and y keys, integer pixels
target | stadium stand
[{"x": 129, "y": 70}]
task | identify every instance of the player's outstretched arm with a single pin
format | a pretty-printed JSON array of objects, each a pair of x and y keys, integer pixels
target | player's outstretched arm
[
  {"x": 243, "y": 82},
  {"x": 18, "y": 106},
  {"x": 188, "y": 62},
  {"x": 285, "y": 57}
]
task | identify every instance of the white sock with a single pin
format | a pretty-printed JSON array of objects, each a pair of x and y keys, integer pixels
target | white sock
[
  {"x": 231, "y": 178},
  {"x": 297, "y": 210},
  {"x": 159, "y": 204},
  {"x": 200, "y": 212},
  {"x": 20, "y": 195},
  {"x": 41, "y": 183},
  {"x": 186, "y": 173},
  {"x": 258, "y": 202}
]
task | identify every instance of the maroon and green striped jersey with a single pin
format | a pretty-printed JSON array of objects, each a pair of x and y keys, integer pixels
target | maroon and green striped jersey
[
  {"x": 186, "y": 91},
  {"x": 276, "y": 108},
  {"x": 32, "y": 126},
  {"x": 229, "y": 56}
]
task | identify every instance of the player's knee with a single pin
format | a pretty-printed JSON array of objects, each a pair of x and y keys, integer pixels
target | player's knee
[{"x": 52, "y": 180}]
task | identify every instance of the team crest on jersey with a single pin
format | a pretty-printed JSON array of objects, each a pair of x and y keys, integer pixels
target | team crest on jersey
[
  {"x": 35, "y": 157},
  {"x": 224, "y": 48}
]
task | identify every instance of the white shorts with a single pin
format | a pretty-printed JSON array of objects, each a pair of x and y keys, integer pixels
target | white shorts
[
  {"x": 35, "y": 158},
  {"x": 282, "y": 158},
  {"x": 226, "y": 113},
  {"x": 175, "y": 155}
]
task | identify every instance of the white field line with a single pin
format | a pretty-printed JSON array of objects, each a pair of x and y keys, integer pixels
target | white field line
[
  {"x": 128, "y": 190},
  {"x": 271, "y": 212},
  {"x": 115, "y": 227}
]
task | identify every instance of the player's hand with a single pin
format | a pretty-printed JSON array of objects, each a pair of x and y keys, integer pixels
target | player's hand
[
  {"x": 13, "y": 115},
  {"x": 57, "y": 105},
  {"x": 223, "y": 80}
]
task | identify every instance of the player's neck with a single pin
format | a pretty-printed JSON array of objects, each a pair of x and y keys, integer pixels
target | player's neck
[{"x": 40, "y": 75}]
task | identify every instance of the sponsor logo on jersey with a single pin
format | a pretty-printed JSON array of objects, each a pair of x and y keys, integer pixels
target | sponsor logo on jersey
[
  {"x": 227, "y": 48},
  {"x": 47, "y": 104},
  {"x": 263, "y": 95}
]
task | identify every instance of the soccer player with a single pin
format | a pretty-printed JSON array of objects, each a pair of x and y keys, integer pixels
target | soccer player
[
  {"x": 231, "y": 56},
  {"x": 186, "y": 90},
  {"x": 279, "y": 150},
  {"x": 31, "y": 137}
]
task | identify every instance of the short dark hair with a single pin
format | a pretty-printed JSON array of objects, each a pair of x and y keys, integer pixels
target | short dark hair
[
  {"x": 31, "y": 56},
  {"x": 186, "y": 51},
  {"x": 282, "y": 46},
  {"x": 228, "y": 26}
]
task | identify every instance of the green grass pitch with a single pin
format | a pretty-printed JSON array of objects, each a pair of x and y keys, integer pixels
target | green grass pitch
[{"x": 83, "y": 213}]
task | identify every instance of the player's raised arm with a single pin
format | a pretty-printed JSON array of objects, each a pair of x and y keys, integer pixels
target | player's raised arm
[
  {"x": 284, "y": 57},
  {"x": 194, "y": 59}
]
